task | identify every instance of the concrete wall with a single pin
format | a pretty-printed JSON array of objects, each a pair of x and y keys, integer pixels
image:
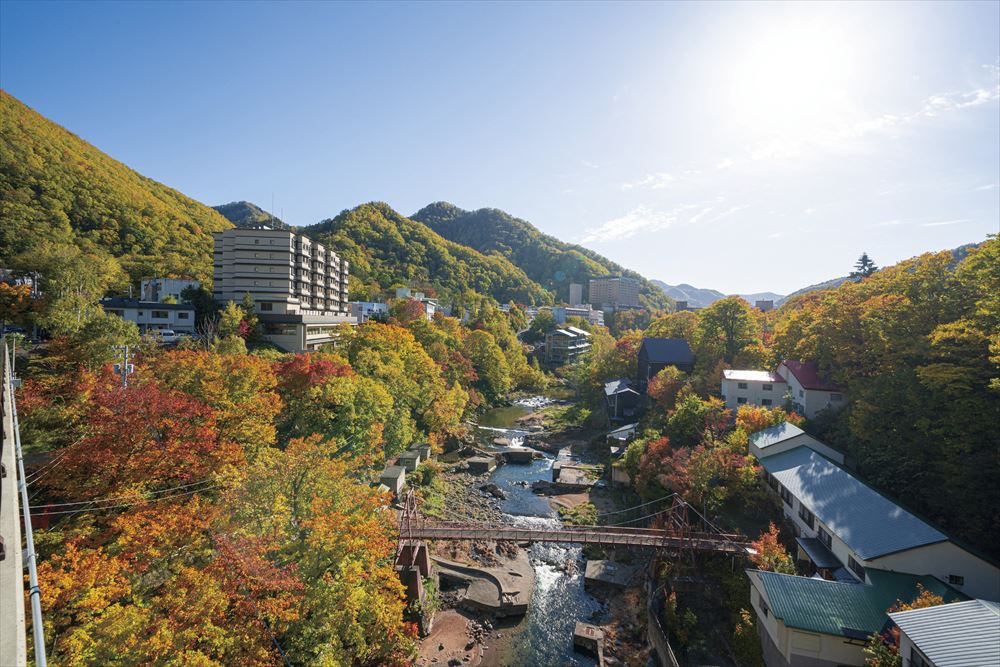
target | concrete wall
[{"x": 12, "y": 620}]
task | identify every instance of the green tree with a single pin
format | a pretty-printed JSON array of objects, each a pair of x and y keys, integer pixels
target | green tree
[
  {"x": 864, "y": 267},
  {"x": 725, "y": 328}
]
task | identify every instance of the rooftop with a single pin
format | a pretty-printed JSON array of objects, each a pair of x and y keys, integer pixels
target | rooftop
[
  {"x": 772, "y": 435},
  {"x": 868, "y": 522},
  {"x": 668, "y": 350},
  {"x": 963, "y": 634},
  {"x": 618, "y": 386},
  {"x": 118, "y": 302},
  {"x": 808, "y": 375},
  {"x": 752, "y": 376},
  {"x": 851, "y": 610},
  {"x": 579, "y": 332}
]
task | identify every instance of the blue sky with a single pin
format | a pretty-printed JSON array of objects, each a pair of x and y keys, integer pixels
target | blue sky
[{"x": 743, "y": 147}]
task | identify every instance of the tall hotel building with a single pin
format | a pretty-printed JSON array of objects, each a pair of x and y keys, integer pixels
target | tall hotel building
[
  {"x": 299, "y": 287},
  {"x": 614, "y": 292}
]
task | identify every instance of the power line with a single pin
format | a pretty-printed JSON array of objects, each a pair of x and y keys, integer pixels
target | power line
[
  {"x": 134, "y": 495},
  {"x": 138, "y": 502}
]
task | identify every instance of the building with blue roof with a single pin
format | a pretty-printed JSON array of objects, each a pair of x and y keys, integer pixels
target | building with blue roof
[
  {"x": 787, "y": 436},
  {"x": 963, "y": 634},
  {"x": 862, "y": 529}
]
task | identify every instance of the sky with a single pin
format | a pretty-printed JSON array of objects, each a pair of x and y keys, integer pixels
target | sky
[{"x": 742, "y": 147}]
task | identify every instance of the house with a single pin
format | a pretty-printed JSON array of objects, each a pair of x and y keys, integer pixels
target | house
[
  {"x": 152, "y": 316},
  {"x": 861, "y": 529},
  {"x": 430, "y": 305},
  {"x": 655, "y": 354},
  {"x": 961, "y": 634},
  {"x": 623, "y": 434},
  {"x": 744, "y": 387},
  {"x": 158, "y": 289},
  {"x": 394, "y": 477},
  {"x": 810, "y": 391},
  {"x": 812, "y": 622},
  {"x": 622, "y": 400},
  {"x": 298, "y": 286},
  {"x": 786, "y": 436},
  {"x": 369, "y": 310},
  {"x": 565, "y": 345}
]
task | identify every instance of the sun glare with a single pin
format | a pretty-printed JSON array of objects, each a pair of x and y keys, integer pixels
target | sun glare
[{"x": 793, "y": 80}]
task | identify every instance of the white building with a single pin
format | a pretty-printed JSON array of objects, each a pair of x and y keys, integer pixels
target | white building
[
  {"x": 741, "y": 387},
  {"x": 367, "y": 310},
  {"x": 575, "y": 294},
  {"x": 844, "y": 528},
  {"x": 784, "y": 437},
  {"x": 158, "y": 289},
  {"x": 810, "y": 391},
  {"x": 961, "y": 634},
  {"x": 152, "y": 316},
  {"x": 430, "y": 305},
  {"x": 561, "y": 313},
  {"x": 299, "y": 287},
  {"x": 614, "y": 292}
]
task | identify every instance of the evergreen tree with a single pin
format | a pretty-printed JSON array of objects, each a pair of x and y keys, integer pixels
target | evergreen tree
[{"x": 864, "y": 267}]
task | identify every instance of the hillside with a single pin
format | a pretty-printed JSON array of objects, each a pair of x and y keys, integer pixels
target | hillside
[
  {"x": 386, "y": 249},
  {"x": 552, "y": 263},
  {"x": 56, "y": 187},
  {"x": 701, "y": 298},
  {"x": 244, "y": 214}
]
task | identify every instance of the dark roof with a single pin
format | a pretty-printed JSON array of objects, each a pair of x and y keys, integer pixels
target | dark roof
[
  {"x": 118, "y": 302},
  {"x": 818, "y": 553},
  {"x": 619, "y": 386},
  {"x": 808, "y": 375},
  {"x": 869, "y": 523},
  {"x": 668, "y": 350}
]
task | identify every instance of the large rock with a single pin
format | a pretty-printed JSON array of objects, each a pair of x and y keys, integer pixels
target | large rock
[{"x": 493, "y": 490}]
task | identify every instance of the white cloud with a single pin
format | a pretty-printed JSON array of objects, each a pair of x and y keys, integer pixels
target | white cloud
[
  {"x": 639, "y": 219},
  {"x": 589, "y": 165},
  {"x": 809, "y": 211},
  {"x": 775, "y": 235},
  {"x": 726, "y": 163},
  {"x": 990, "y": 186},
  {"x": 887, "y": 223},
  {"x": 942, "y": 223},
  {"x": 655, "y": 181}
]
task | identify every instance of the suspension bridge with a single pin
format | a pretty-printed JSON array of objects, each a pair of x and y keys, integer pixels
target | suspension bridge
[{"x": 668, "y": 528}]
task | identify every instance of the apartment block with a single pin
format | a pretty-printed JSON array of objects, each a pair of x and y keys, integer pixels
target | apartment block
[
  {"x": 614, "y": 292},
  {"x": 299, "y": 287}
]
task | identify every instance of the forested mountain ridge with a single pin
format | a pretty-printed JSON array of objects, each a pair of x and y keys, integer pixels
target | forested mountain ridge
[
  {"x": 552, "y": 263},
  {"x": 57, "y": 188},
  {"x": 244, "y": 214},
  {"x": 386, "y": 248}
]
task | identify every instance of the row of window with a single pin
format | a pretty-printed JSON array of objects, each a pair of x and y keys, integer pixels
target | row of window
[
  {"x": 764, "y": 387},
  {"x": 741, "y": 400}
]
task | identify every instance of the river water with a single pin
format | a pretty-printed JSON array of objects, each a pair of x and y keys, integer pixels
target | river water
[{"x": 544, "y": 638}]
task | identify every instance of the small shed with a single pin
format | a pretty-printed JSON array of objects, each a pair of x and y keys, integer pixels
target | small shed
[
  {"x": 479, "y": 465},
  {"x": 424, "y": 450},
  {"x": 589, "y": 638},
  {"x": 394, "y": 477},
  {"x": 409, "y": 460}
]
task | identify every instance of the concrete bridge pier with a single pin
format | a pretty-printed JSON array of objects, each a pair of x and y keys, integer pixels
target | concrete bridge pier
[{"x": 414, "y": 553}]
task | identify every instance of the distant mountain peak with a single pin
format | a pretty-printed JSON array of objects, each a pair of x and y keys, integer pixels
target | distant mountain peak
[{"x": 245, "y": 214}]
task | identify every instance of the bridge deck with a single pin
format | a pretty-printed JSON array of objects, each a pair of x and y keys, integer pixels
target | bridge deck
[{"x": 609, "y": 535}]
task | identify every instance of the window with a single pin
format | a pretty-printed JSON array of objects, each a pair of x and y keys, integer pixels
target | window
[
  {"x": 256, "y": 241},
  {"x": 856, "y": 567},
  {"x": 266, "y": 307},
  {"x": 956, "y": 580},
  {"x": 825, "y": 538},
  {"x": 786, "y": 495},
  {"x": 765, "y": 401},
  {"x": 741, "y": 400},
  {"x": 741, "y": 385},
  {"x": 836, "y": 398},
  {"x": 917, "y": 660},
  {"x": 767, "y": 387},
  {"x": 183, "y": 315},
  {"x": 801, "y": 393},
  {"x": 160, "y": 315},
  {"x": 806, "y": 515},
  {"x": 764, "y": 609}
]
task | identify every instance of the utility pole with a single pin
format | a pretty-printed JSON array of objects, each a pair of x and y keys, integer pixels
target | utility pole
[{"x": 125, "y": 368}]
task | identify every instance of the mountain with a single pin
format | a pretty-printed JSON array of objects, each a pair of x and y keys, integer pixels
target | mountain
[
  {"x": 247, "y": 214},
  {"x": 697, "y": 297},
  {"x": 833, "y": 283},
  {"x": 56, "y": 187},
  {"x": 385, "y": 249},
  {"x": 552, "y": 263}
]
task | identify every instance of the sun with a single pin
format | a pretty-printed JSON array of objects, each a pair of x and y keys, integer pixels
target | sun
[{"x": 793, "y": 79}]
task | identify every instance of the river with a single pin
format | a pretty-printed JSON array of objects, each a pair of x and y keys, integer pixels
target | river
[{"x": 544, "y": 638}]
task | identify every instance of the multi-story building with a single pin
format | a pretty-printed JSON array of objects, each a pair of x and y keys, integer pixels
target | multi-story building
[
  {"x": 560, "y": 313},
  {"x": 158, "y": 289},
  {"x": 575, "y": 294},
  {"x": 369, "y": 310},
  {"x": 764, "y": 388},
  {"x": 565, "y": 345},
  {"x": 614, "y": 292},
  {"x": 299, "y": 287},
  {"x": 151, "y": 315}
]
